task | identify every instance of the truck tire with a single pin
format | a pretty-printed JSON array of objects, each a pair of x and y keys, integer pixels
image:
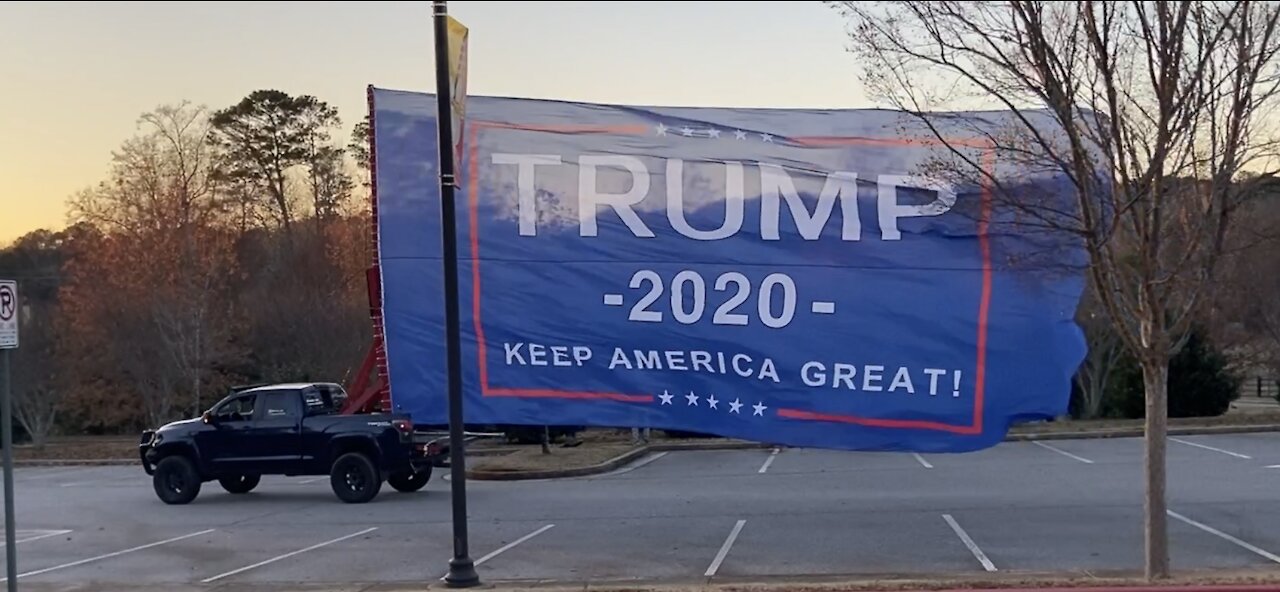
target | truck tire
[
  {"x": 409, "y": 482},
  {"x": 354, "y": 478},
  {"x": 176, "y": 480},
  {"x": 240, "y": 483}
]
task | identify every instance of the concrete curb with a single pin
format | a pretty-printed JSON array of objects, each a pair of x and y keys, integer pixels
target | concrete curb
[
  {"x": 710, "y": 445},
  {"x": 614, "y": 463},
  {"x": 604, "y": 467},
  {"x": 1209, "y": 580},
  {"x": 873, "y": 587},
  {"x": 1119, "y": 580}
]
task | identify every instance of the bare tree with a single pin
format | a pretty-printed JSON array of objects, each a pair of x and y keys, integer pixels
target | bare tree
[
  {"x": 329, "y": 182},
  {"x": 1151, "y": 111},
  {"x": 1250, "y": 304},
  {"x": 37, "y": 392},
  {"x": 38, "y": 371},
  {"x": 1268, "y": 310},
  {"x": 153, "y": 295},
  {"x": 1098, "y": 369}
]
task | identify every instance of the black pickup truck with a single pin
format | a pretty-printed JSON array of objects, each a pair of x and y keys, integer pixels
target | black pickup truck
[{"x": 291, "y": 430}]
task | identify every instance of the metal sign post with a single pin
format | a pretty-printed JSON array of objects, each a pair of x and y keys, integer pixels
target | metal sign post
[
  {"x": 8, "y": 341},
  {"x": 462, "y": 570}
]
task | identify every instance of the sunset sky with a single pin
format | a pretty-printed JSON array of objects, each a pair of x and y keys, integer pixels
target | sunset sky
[{"x": 76, "y": 76}]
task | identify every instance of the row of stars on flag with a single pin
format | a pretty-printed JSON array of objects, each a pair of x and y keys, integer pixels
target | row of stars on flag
[
  {"x": 692, "y": 400},
  {"x": 711, "y": 132}
]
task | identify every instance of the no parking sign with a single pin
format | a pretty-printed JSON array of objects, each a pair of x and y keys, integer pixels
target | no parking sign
[
  {"x": 8, "y": 341},
  {"x": 8, "y": 314}
]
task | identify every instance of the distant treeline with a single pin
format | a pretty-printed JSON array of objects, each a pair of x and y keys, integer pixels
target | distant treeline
[{"x": 224, "y": 247}]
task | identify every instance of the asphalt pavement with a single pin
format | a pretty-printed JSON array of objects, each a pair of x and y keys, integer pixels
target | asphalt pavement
[{"x": 1069, "y": 505}]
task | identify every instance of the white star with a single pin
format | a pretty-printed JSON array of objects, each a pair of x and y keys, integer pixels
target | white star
[
  {"x": 686, "y": 131},
  {"x": 693, "y": 399},
  {"x": 766, "y": 138},
  {"x": 666, "y": 398},
  {"x": 739, "y": 134},
  {"x": 759, "y": 407},
  {"x": 735, "y": 406},
  {"x": 712, "y": 401},
  {"x": 662, "y": 129},
  {"x": 713, "y": 133}
]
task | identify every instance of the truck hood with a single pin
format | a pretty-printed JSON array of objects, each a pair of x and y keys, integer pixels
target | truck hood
[{"x": 185, "y": 424}]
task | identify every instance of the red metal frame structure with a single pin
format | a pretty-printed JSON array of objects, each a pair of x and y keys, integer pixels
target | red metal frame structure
[{"x": 369, "y": 391}]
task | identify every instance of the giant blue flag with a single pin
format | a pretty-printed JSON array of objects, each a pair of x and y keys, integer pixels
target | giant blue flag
[{"x": 799, "y": 277}]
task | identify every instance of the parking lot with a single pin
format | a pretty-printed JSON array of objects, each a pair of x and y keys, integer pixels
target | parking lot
[{"x": 680, "y": 516}]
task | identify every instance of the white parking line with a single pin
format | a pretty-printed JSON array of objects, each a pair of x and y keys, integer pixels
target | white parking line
[
  {"x": 311, "y": 480},
  {"x": 508, "y": 546},
  {"x": 26, "y": 536},
  {"x": 1225, "y": 536},
  {"x": 724, "y": 549},
  {"x": 1197, "y": 445},
  {"x": 1062, "y": 452},
  {"x": 636, "y": 465},
  {"x": 287, "y": 555},
  {"x": 768, "y": 461},
  {"x": 922, "y": 460},
  {"x": 968, "y": 542},
  {"x": 109, "y": 555}
]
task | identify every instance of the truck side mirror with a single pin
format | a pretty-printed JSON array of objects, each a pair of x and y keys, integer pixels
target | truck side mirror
[{"x": 207, "y": 417}]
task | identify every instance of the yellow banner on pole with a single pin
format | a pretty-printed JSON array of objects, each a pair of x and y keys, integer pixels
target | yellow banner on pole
[{"x": 458, "y": 82}]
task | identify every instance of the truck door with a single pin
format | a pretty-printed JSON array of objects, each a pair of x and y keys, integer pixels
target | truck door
[
  {"x": 226, "y": 449},
  {"x": 274, "y": 437}
]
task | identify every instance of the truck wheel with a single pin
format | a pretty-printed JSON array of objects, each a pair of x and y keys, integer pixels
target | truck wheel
[
  {"x": 354, "y": 478},
  {"x": 176, "y": 480},
  {"x": 240, "y": 483},
  {"x": 410, "y": 482}
]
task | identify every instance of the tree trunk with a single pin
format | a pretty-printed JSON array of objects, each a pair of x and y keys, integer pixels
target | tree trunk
[
  {"x": 38, "y": 431},
  {"x": 1155, "y": 380}
]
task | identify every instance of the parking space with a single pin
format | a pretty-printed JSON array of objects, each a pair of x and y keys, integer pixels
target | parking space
[
  {"x": 576, "y": 550},
  {"x": 682, "y": 516},
  {"x": 847, "y": 541},
  {"x": 1264, "y": 448},
  {"x": 1088, "y": 537},
  {"x": 1251, "y": 529},
  {"x": 327, "y": 553}
]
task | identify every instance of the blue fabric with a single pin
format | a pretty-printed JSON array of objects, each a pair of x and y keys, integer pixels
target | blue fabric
[{"x": 786, "y": 276}]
